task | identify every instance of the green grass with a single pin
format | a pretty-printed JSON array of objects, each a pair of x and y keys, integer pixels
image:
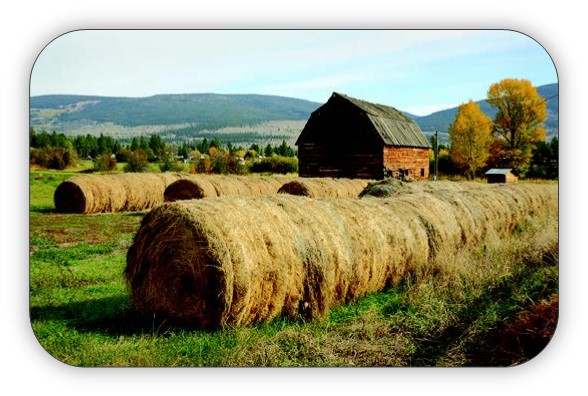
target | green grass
[{"x": 81, "y": 314}]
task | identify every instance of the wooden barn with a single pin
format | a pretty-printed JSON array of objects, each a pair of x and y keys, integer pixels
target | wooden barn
[
  {"x": 501, "y": 175},
  {"x": 352, "y": 138}
]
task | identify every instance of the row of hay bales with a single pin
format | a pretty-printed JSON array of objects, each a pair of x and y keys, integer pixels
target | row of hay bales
[
  {"x": 205, "y": 186},
  {"x": 133, "y": 192},
  {"x": 242, "y": 260},
  {"x": 112, "y": 193}
]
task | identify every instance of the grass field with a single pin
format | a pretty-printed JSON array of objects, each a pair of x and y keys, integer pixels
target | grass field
[{"x": 493, "y": 305}]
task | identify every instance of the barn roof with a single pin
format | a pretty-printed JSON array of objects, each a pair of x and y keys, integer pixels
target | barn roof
[
  {"x": 395, "y": 128},
  {"x": 498, "y": 171}
]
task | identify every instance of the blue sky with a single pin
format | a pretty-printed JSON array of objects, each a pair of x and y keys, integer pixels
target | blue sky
[{"x": 419, "y": 71}]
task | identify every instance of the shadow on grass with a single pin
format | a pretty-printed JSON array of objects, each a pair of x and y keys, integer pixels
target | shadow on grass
[
  {"x": 493, "y": 347},
  {"x": 135, "y": 214},
  {"x": 109, "y": 316},
  {"x": 42, "y": 209}
]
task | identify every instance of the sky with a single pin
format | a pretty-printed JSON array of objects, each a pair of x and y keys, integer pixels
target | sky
[{"x": 418, "y": 71}]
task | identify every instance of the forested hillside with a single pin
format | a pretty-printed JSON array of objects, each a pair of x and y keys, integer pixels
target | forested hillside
[{"x": 239, "y": 118}]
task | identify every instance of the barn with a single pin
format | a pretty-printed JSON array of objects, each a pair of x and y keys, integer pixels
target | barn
[
  {"x": 352, "y": 138},
  {"x": 501, "y": 175}
]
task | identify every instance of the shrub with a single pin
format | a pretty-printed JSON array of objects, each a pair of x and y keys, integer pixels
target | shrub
[
  {"x": 275, "y": 164},
  {"x": 104, "y": 163},
  {"x": 123, "y": 155},
  {"x": 53, "y": 157},
  {"x": 137, "y": 161},
  {"x": 169, "y": 164},
  {"x": 202, "y": 164},
  {"x": 220, "y": 161}
]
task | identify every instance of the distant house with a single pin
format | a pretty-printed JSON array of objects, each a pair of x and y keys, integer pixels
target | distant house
[
  {"x": 352, "y": 138},
  {"x": 501, "y": 175}
]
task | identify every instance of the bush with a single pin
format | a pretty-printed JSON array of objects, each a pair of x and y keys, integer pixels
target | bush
[
  {"x": 53, "y": 157},
  {"x": 168, "y": 165},
  {"x": 202, "y": 164},
  {"x": 137, "y": 161},
  {"x": 104, "y": 163},
  {"x": 123, "y": 155},
  {"x": 275, "y": 164},
  {"x": 219, "y": 162}
]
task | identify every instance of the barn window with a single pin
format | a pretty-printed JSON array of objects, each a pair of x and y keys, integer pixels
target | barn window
[{"x": 422, "y": 172}]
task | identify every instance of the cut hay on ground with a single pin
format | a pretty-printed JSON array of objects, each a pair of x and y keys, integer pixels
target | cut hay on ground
[
  {"x": 203, "y": 186},
  {"x": 112, "y": 193},
  {"x": 322, "y": 187},
  {"x": 244, "y": 260}
]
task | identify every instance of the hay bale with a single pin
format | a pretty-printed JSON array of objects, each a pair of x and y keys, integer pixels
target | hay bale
[
  {"x": 203, "y": 186},
  {"x": 243, "y": 260},
  {"x": 112, "y": 193},
  {"x": 392, "y": 187},
  {"x": 322, "y": 187}
]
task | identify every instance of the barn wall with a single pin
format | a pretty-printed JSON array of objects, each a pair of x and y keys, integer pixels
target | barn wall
[
  {"x": 413, "y": 159},
  {"x": 318, "y": 159},
  {"x": 340, "y": 141}
]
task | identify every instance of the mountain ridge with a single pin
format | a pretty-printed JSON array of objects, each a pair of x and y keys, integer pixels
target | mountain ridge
[{"x": 192, "y": 114}]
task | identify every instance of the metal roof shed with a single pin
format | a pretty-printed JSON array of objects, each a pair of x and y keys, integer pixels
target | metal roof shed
[{"x": 501, "y": 175}]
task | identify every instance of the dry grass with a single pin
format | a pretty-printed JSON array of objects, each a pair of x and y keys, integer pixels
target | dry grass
[
  {"x": 324, "y": 187},
  {"x": 203, "y": 186},
  {"x": 243, "y": 260},
  {"x": 112, "y": 193}
]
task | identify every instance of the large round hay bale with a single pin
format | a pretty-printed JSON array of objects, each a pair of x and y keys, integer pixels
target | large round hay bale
[
  {"x": 243, "y": 260},
  {"x": 203, "y": 186},
  {"x": 112, "y": 193},
  {"x": 322, "y": 187},
  {"x": 392, "y": 187}
]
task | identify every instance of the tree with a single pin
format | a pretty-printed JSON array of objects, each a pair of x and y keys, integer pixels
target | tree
[
  {"x": 544, "y": 163},
  {"x": 104, "y": 163},
  {"x": 471, "y": 135},
  {"x": 134, "y": 144},
  {"x": 519, "y": 121},
  {"x": 156, "y": 144},
  {"x": 268, "y": 151},
  {"x": 137, "y": 161},
  {"x": 168, "y": 162}
]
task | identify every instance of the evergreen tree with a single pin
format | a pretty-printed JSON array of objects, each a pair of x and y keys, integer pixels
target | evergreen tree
[
  {"x": 134, "y": 144},
  {"x": 157, "y": 145},
  {"x": 268, "y": 151}
]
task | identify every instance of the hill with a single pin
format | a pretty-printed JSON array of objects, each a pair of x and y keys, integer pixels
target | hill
[
  {"x": 241, "y": 119},
  {"x": 440, "y": 120},
  {"x": 202, "y": 110}
]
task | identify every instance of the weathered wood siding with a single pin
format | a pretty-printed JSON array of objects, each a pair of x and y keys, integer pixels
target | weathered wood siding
[
  {"x": 325, "y": 160},
  {"x": 412, "y": 161},
  {"x": 339, "y": 141}
]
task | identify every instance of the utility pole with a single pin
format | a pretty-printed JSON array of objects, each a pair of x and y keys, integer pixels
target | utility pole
[{"x": 436, "y": 152}]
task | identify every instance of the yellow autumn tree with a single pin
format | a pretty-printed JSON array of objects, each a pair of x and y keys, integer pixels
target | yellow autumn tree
[
  {"x": 518, "y": 124},
  {"x": 471, "y": 136}
]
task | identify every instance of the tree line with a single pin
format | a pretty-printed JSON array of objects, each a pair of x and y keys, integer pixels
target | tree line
[
  {"x": 58, "y": 151},
  {"x": 514, "y": 139}
]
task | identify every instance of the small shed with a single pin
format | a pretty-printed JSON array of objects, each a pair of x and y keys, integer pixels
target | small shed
[
  {"x": 501, "y": 175},
  {"x": 351, "y": 138}
]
